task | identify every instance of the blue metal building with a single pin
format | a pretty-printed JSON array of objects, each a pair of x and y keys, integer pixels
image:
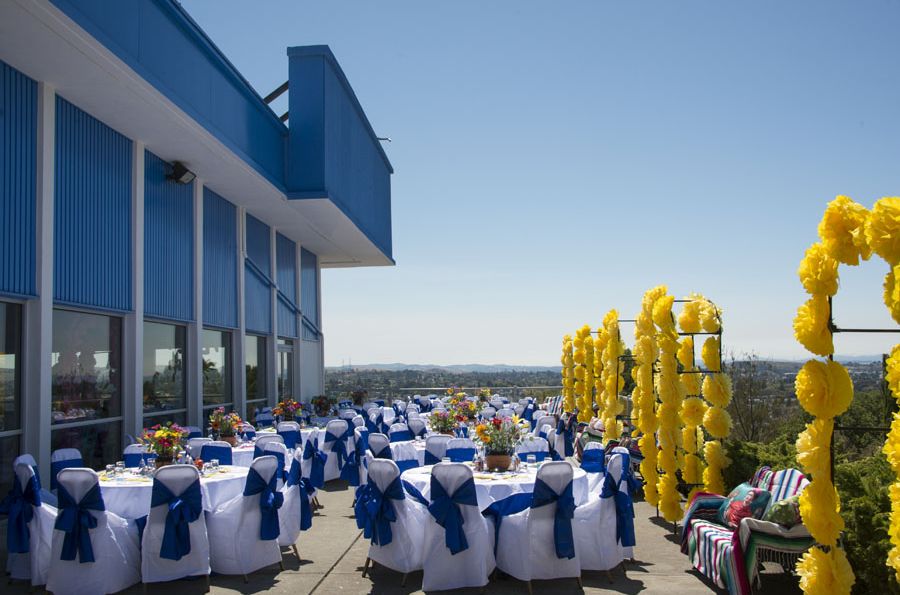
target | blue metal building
[{"x": 162, "y": 230}]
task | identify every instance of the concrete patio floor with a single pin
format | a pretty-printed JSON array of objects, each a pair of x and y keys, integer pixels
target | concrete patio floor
[{"x": 333, "y": 553}]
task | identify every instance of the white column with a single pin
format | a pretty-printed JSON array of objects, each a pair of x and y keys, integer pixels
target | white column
[
  {"x": 298, "y": 344},
  {"x": 195, "y": 330},
  {"x": 321, "y": 371},
  {"x": 38, "y": 313},
  {"x": 133, "y": 340},
  {"x": 273, "y": 300},
  {"x": 238, "y": 345}
]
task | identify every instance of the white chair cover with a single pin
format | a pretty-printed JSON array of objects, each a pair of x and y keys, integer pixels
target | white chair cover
[
  {"x": 526, "y": 548},
  {"x": 488, "y": 412},
  {"x": 280, "y": 452},
  {"x": 155, "y": 568},
  {"x": 412, "y": 408},
  {"x": 63, "y": 458},
  {"x": 540, "y": 420},
  {"x": 454, "y": 444},
  {"x": 389, "y": 415},
  {"x": 595, "y": 480},
  {"x": 378, "y": 443},
  {"x": 367, "y": 406},
  {"x": 404, "y": 552},
  {"x": 595, "y": 529},
  {"x": 47, "y": 497},
  {"x": 399, "y": 431},
  {"x": 358, "y": 432},
  {"x": 306, "y": 464},
  {"x": 497, "y": 403},
  {"x": 417, "y": 426},
  {"x": 505, "y": 413},
  {"x": 533, "y": 445},
  {"x": 117, "y": 558},
  {"x": 519, "y": 409},
  {"x": 405, "y": 455},
  {"x": 34, "y": 564},
  {"x": 358, "y": 420},
  {"x": 347, "y": 414},
  {"x": 289, "y": 514},
  {"x": 436, "y": 448},
  {"x": 400, "y": 404},
  {"x": 262, "y": 439},
  {"x": 467, "y": 568},
  {"x": 195, "y": 446},
  {"x": 234, "y": 530},
  {"x": 337, "y": 428}
]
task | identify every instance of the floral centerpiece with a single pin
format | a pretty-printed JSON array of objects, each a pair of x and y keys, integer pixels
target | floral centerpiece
[
  {"x": 164, "y": 440},
  {"x": 322, "y": 405},
  {"x": 485, "y": 394},
  {"x": 462, "y": 408},
  {"x": 288, "y": 409},
  {"x": 500, "y": 438},
  {"x": 225, "y": 425},
  {"x": 443, "y": 422}
]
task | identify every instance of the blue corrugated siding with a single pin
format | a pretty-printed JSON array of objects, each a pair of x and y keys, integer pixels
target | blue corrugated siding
[
  {"x": 18, "y": 171},
  {"x": 286, "y": 269},
  {"x": 168, "y": 243},
  {"x": 92, "y": 216},
  {"x": 219, "y": 261},
  {"x": 309, "y": 293},
  {"x": 257, "y": 281}
]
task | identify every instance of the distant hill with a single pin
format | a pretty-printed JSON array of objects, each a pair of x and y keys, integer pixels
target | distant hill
[{"x": 458, "y": 368}]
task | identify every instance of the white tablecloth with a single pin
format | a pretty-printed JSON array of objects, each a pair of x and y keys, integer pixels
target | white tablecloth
[
  {"x": 418, "y": 445},
  {"x": 242, "y": 456},
  {"x": 130, "y": 498},
  {"x": 490, "y": 487}
]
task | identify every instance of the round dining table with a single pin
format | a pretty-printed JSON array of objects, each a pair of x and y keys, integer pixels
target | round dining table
[
  {"x": 129, "y": 495},
  {"x": 491, "y": 487}
]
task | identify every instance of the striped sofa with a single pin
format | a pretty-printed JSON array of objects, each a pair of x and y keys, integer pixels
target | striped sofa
[{"x": 731, "y": 558}]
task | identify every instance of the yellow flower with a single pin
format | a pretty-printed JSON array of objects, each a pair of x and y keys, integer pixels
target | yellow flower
[
  {"x": 717, "y": 389},
  {"x": 893, "y": 372},
  {"x": 716, "y": 460},
  {"x": 818, "y": 271},
  {"x": 692, "y": 411},
  {"x": 811, "y": 326},
  {"x": 824, "y": 389},
  {"x": 891, "y": 448},
  {"x": 710, "y": 354},
  {"x": 710, "y": 317},
  {"x": 842, "y": 230},
  {"x": 689, "y": 318},
  {"x": 820, "y": 509},
  {"x": 691, "y": 383},
  {"x": 814, "y": 447},
  {"x": 717, "y": 422},
  {"x": 883, "y": 229},
  {"x": 662, "y": 314},
  {"x": 686, "y": 352},
  {"x": 824, "y": 573},
  {"x": 892, "y": 293}
]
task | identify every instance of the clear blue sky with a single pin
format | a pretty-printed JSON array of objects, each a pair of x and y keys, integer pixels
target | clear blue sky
[{"x": 554, "y": 160}]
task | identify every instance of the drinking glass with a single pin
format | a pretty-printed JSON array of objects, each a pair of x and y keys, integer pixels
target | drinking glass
[
  {"x": 120, "y": 468},
  {"x": 531, "y": 460},
  {"x": 215, "y": 464},
  {"x": 110, "y": 471},
  {"x": 445, "y": 460}
]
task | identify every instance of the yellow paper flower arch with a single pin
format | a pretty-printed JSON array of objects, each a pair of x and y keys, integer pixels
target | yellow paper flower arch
[
  {"x": 568, "y": 374},
  {"x": 646, "y": 352},
  {"x": 611, "y": 376}
]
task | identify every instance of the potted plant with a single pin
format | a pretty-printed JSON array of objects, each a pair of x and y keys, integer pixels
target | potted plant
[
  {"x": 225, "y": 425},
  {"x": 443, "y": 422},
  {"x": 164, "y": 440},
  {"x": 500, "y": 438},
  {"x": 288, "y": 409}
]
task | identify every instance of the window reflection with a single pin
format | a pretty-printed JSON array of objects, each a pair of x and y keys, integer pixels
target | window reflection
[
  {"x": 164, "y": 378},
  {"x": 10, "y": 366},
  {"x": 85, "y": 366},
  {"x": 216, "y": 368},
  {"x": 255, "y": 367},
  {"x": 99, "y": 444},
  {"x": 285, "y": 368}
]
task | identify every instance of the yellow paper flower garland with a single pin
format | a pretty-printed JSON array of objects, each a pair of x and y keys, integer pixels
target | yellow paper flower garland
[
  {"x": 692, "y": 408},
  {"x": 645, "y": 354},
  {"x": 612, "y": 378},
  {"x": 582, "y": 398},
  {"x": 599, "y": 372},
  {"x": 669, "y": 389},
  {"x": 586, "y": 411},
  {"x": 568, "y": 374}
]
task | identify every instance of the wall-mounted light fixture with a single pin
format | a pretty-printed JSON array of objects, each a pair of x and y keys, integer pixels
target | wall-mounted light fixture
[{"x": 180, "y": 174}]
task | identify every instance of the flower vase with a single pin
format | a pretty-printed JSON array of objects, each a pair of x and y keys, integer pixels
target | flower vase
[
  {"x": 163, "y": 461},
  {"x": 497, "y": 461},
  {"x": 232, "y": 439},
  {"x": 287, "y": 416}
]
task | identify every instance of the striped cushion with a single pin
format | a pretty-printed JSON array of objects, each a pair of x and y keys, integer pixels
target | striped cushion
[
  {"x": 787, "y": 483},
  {"x": 710, "y": 550},
  {"x": 761, "y": 477}
]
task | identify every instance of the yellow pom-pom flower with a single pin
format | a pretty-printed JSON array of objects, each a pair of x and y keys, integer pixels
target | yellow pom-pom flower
[
  {"x": 824, "y": 389},
  {"x": 717, "y": 422},
  {"x": 710, "y": 354},
  {"x": 811, "y": 326},
  {"x": 818, "y": 271},
  {"x": 689, "y": 318},
  {"x": 710, "y": 317},
  {"x": 825, "y": 573},
  {"x": 891, "y": 448},
  {"x": 814, "y": 448},
  {"x": 892, "y": 293},
  {"x": 883, "y": 229},
  {"x": 717, "y": 389},
  {"x": 820, "y": 509},
  {"x": 893, "y": 372},
  {"x": 662, "y": 314},
  {"x": 686, "y": 352},
  {"x": 692, "y": 411},
  {"x": 842, "y": 230}
]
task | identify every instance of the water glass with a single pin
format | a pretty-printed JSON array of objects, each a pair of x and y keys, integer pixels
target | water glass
[
  {"x": 531, "y": 460},
  {"x": 215, "y": 464},
  {"x": 445, "y": 460},
  {"x": 120, "y": 468},
  {"x": 110, "y": 471}
]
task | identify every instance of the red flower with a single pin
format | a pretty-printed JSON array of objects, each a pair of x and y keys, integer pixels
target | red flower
[{"x": 497, "y": 422}]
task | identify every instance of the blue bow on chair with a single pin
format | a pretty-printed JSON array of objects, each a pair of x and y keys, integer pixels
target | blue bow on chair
[
  {"x": 503, "y": 508},
  {"x": 375, "y": 511},
  {"x": 463, "y": 454},
  {"x": 445, "y": 510},
  {"x": 528, "y": 415},
  {"x": 291, "y": 437},
  {"x": 384, "y": 453},
  {"x": 248, "y": 434},
  {"x": 401, "y": 436},
  {"x": 568, "y": 433},
  {"x": 624, "y": 510},
  {"x": 338, "y": 446},
  {"x": 562, "y": 522},
  {"x": 593, "y": 460},
  {"x": 318, "y": 459},
  {"x": 270, "y": 500},
  {"x": 57, "y": 466},
  {"x": 350, "y": 472},
  {"x": 183, "y": 510},
  {"x": 76, "y": 521},
  {"x": 19, "y": 504},
  {"x": 295, "y": 478}
]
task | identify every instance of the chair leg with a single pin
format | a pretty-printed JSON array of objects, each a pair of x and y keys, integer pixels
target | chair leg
[
  {"x": 207, "y": 583},
  {"x": 246, "y": 580},
  {"x": 366, "y": 567},
  {"x": 580, "y": 585},
  {"x": 296, "y": 553},
  {"x": 530, "y": 592},
  {"x": 281, "y": 564},
  {"x": 609, "y": 577},
  {"x": 403, "y": 580}
]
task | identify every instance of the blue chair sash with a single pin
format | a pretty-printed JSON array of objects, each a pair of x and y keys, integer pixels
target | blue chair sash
[
  {"x": 407, "y": 464},
  {"x": 446, "y": 512},
  {"x": 401, "y": 436},
  {"x": 281, "y": 472},
  {"x": 562, "y": 522},
  {"x": 291, "y": 437},
  {"x": 57, "y": 466},
  {"x": 376, "y": 509},
  {"x": 248, "y": 434},
  {"x": 257, "y": 451},
  {"x": 76, "y": 521},
  {"x": 373, "y": 425},
  {"x": 503, "y": 508},
  {"x": 462, "y": 432},
  {"x": 264, "y": 420},
  {"x": 133, "y": 459},
  {"x": 295, "y": 478},
  {"x": 384, "y": 453},
  {"x": 19, "y": 505},
  {"x": 195, "y": 433},
  {"x": 431, "y": 459},
  {"x": 379, "y": 402},
  {"x": 421, "y": 432},
  {"x": 209, "y": 452},
  {"x": 318, "y": 459},
  {"x": 594, "y": 460},
  {"x": 338, "y": 447},
  {"x": 183, "y": 510},
  {"x": 567, "y": 431},
  {"x": 539, "y": 455},
  {"x": 414, "y": 493},
  {"x": 270, "y": 500},
  {"x": 350, "y": 472},
  {"x": 624, "y": 510},
  {"x": 528, "y": 415},
  {"x": 461, "y": 455}
]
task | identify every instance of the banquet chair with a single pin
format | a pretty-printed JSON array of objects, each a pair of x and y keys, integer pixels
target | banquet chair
[
  {"x": 358, "y": 420},
  {"x": 336, "y": 445},
  {"x": 405, "y": 455},
  {"x": 93, "y": 550},
  {"x": 280, "y": 452},
  {"x": 400, "y": 432},
  {"x": 597, "y": 526},
  {"x": 312, "y": 466},
  {"x": 417, "y": 426},
  {"x": 399, "y": 404},
  {"x": 538, "y": 543},
  {"x": 389, "y": 415},
  {"x": 243, "y": 532},
  {"x": 216, "y": 449},
  {"x": 505, "y": 413},
  {"x": 248, "y": 432},
  {"x": 63, "y": 458},
  {"x": 193, "y": 432},
  {"x": 461, "y": 450},
  {"x": 175, "y": 544},
  {"x": 393, "y": 522},
  {"x": 533, "y": 445},
  {"x": 436, "y": 448},
  {"x": 593, "y": 462},
  {"x": 47, "y": 497},
  {"x": 457, "y": 550},
  {"x": 290, "y": 431},
  {"x": 195, "y": 446},
  {"x": 265, "y": 419},
  {"x": 295, "y": 514},
  {"x": 412, "y": 408},
  {"x": 488, "y": 412},
  {"x": 496, "y": 403},
  {"x": 541, "y": 419},
  {"x": 368, "y": 405},
  {"x": 519, "y": 409},
  {"x": 259, "y": 446},
  {"x": 380, "y": 446},
  {"x": 617, "y": 488},
  {"x": 29, "y": 527},
  {"x": 360, "y": 448},
  {"x": 135, "y": 455},
  {"x": 347, "y": 414},
  {"x": 553, "y": 443}
]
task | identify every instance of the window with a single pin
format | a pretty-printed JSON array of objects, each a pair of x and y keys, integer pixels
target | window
[
  {"x": 164, "y": 378},
  {"x": 255, "y": 348},
  {"x": 86, "y": 385},
  {"x": 285, "y": 368},
  {"x": 216, "y": 369},
  {"x": 10, "y": 390}
]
